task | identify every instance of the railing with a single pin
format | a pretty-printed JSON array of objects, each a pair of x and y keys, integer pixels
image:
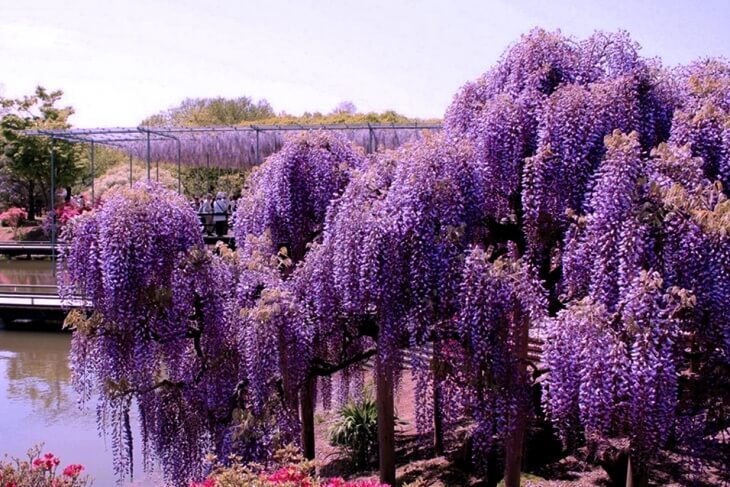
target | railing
[{"x": 28, "y": 289}]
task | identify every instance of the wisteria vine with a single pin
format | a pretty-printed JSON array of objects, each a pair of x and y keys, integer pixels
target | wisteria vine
[{"x": 577, "y": 198}]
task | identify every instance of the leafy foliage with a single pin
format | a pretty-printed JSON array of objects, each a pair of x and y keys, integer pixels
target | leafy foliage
[
  {"x": 27, "y": 159},
  {"x": 212, "y": 111},
  {"x": 356, "y": 430}
]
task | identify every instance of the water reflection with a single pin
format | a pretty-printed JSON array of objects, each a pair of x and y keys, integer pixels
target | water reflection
[
  {"x": 20, "y": 275},
  {"x": 38, "y": 405},
  {"x": 38, "y": 374}
]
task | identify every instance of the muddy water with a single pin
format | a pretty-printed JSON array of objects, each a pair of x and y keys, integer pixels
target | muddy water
[
  {"x": 37, "y": 401},
  {"x": 26, "y": 276}
]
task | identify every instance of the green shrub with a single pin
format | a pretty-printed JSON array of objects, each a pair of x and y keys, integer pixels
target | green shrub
[{"x": 356, "y": 430}]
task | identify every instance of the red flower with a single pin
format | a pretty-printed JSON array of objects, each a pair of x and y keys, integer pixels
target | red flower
[
  {"x": 288, "y": 474},
  {"x": 209, "y": 482},
  {"x": 73, "y": 470},
  {"x": 365, "y": 483}
]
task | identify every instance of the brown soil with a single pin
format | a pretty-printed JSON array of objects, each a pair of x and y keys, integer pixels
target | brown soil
[{"x": 415, "y": 463}]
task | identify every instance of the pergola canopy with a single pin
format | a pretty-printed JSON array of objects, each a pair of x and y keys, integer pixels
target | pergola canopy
[
  {"x": 228, "y": 146},
  {"x": 225, "y": 146}
]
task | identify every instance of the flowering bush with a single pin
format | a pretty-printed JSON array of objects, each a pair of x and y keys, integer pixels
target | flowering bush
[
  {"x": 40, "y": 471},
  {"x": 292, "y": 471},
  {"x": 64, "y": 213},
  {"x": 67, "y": 211},
  {"x": 14, "y": 218}
]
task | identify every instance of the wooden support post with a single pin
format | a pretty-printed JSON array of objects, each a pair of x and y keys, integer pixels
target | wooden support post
[
  {"x": 306, "y": 401},
  {"x": 438, "y": 429},
  {"x": 386, "y": 421},
  {"x": 515, "y": 437}
]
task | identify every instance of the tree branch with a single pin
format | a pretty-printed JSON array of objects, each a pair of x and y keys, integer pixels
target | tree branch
[{"x": 321, "y": 368}]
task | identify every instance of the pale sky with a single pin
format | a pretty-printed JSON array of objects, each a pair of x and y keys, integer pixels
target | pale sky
[{"x": 119, "y": 62}]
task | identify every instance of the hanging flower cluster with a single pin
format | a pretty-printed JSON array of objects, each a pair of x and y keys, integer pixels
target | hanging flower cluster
[
  {"x": 156, "y": 330},
  {"x": 242, "y": 149}
]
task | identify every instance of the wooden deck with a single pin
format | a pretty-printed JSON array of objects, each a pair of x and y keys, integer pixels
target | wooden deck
[
  {"x": 29, "y": 249},
  {"x": 35, "y": 297}
]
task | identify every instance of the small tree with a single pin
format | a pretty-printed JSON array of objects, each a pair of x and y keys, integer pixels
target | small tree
[{"x": 28, "y": 159}]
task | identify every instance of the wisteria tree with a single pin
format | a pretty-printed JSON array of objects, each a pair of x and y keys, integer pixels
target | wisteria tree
[
  {"x": 577, "y": 197},
  {"x": 280, "y": 215},
  {"x": 570, "y": 140},
  {"x": 156, "y": 332}
]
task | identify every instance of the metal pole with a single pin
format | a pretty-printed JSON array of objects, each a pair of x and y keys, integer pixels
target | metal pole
[
  {"x": 370, "y": 139},
  {"x": 148, "y": 156},
  {"x": 53, "y": 203},
  {"x": 92, "y": 175},
  {"x": 258, "y": 154},
  {"x": 130, "y": 169},
  {"x": 207, "y": 173},
  {"x": 179, "y": 168}
]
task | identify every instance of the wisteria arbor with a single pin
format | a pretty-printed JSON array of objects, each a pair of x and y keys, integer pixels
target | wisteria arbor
[{"x": 578, "y": 195}]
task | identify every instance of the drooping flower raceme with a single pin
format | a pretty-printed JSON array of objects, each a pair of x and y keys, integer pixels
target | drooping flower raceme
[{"x": 156, "y": 330}]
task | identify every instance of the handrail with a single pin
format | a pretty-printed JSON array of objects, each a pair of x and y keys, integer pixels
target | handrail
[
  {"x": 41, "y": 286},
  {"x": 25, "y": 243}
]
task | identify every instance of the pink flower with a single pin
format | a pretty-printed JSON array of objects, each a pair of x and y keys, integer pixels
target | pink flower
[
  {"x": 209, "y": 482},
  {"x": 365, "y": 483},
  {"x": 288, "y": 474},
  {"x": 73, "y": 470}
]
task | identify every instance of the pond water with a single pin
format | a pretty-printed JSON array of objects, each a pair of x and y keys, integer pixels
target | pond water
[
  {"x": 27, "y": 276},
  {"x": 39, "y": 405}
]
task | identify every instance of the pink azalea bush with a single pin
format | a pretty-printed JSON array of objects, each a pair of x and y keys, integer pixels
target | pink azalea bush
[
  {"x": 67, "y": 211},
  {"x": 64, "y": 213},
  {"x": 14, "y": 218},
  {"x": 40, "y": 471},
  {"x": 292, "y": 471}
]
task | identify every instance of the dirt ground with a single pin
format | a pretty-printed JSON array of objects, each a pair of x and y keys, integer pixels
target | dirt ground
[{"x": 414, "y": 462}]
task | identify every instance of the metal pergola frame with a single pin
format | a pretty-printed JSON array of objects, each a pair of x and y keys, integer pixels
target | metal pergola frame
[{"x": 119, "y": 137}]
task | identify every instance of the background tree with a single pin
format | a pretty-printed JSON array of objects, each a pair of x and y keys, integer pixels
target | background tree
[
  {"x": 27, "y": 160},
  {"x": 345, "y": 107},
  {"x": 202, "y": 112}
]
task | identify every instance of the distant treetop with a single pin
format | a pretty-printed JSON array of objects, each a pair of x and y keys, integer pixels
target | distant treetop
[
  {"x": 199, "y": 112},
  {"x": 212, "y": 111}
]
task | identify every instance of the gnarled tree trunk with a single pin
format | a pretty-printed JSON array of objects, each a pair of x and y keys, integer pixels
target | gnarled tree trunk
[
  {"x": 306, "y": 403},
  {"x": 386, "y": 421},
  {"x": 516, "y": 436}
]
